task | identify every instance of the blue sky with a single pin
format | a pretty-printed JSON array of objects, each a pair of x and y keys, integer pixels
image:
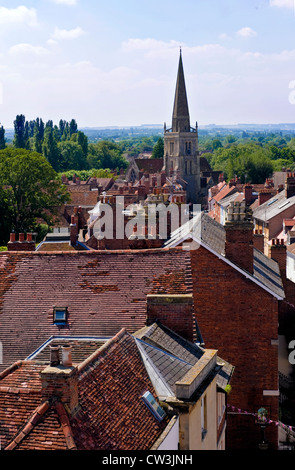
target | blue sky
[{"x": 114, "y": 63}]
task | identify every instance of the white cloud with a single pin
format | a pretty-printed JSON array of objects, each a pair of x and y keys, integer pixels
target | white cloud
[
  {"x": 18, "y": 15},
  {"x": 246, "y": 32},
  {"x": 282, "y": 3},
  {"x": 25, "y": 48},
  {"x": 60, "y": 34}
]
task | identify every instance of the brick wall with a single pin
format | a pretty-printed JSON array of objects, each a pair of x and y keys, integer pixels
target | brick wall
[
  {"x": 240, "y": 319},
  {"x": 174, "y": 311}
]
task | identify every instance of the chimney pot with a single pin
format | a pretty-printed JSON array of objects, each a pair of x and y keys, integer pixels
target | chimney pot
[
  {"x": 29, "y": 237},
  {"x": 21, "y": 237},
  {"x": 54, "y": 356},
  {"x": 12, "y": 237},
  {"x": 67, "y": 356}
]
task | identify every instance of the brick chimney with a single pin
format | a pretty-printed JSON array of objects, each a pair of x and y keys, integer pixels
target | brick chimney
[
  {"x": 278, "y": 252},
  {"x": 60, "y": 380},
  {"x": 264, "y": 196},
  {"x": 74, "y": 230},
  {"x": 174, "y": 311},
  {"x": 239, "y": 236},
  {"x": 22, "y": 244},
  {"x": 258, "y": 240},
  {"x": 290, "y": 185},
  {"x": 248, "y": 193}
]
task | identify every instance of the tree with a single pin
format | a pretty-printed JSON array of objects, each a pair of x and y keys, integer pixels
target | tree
[
  {"x": 20, "y": 139},
  {"x": 30, "y": 189},
  {"x": 38, "y": 135},
  {"x": 158, "y": 150},
  {"x": 50, "y": 148},
  {"x": 2, "y": 138},
  {"x": 82, "y": 140},
  {"x": 106, "y": 154},
  {"x": 71, "y": 156}
]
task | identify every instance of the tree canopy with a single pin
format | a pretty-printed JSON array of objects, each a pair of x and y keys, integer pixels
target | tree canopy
[{"x": 30, "y": 191}]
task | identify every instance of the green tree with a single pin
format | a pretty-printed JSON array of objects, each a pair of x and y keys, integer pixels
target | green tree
[
  {"x": 50, "y": 148},
  {"x": 158, "y": 150},
  {"x": 2, "y": 138},
  {"x": 20, "y": 138},
  {"x": 30, "y": 189},
  {"x": 106, "y": 154},
  {"x": 71, "y": 156},
  {"x": 82, "y": 140},
  {"x": 38, "y": 135}
]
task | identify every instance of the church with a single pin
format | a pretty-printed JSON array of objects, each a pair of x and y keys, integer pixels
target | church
[{"x": 181, "y": 149}]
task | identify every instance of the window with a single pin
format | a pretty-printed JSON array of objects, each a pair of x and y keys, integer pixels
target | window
[
  {"x": 153, "y": 405},
  {"x": 188, "y": 147},
  {"x": 171, "y": 148},
  {"x": 60, "y": 315},
  {"x": 204, "y": 416}
]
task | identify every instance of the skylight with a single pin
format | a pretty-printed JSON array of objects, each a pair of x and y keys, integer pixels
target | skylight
[
  {"x": 60, "y": 315},
  {"x": 283, "y": 205},
  {"x": 154, "y": 407}
]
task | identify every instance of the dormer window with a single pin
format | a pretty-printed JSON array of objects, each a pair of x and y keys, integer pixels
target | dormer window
[
  {"x": 153, "y": 406},
  {"x": 60, "y": 315}
]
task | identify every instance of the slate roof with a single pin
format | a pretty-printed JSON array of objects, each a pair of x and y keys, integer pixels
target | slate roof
[
  {"x": 273, "y": 207},
  {"x": 212, "y": 234},
  {"x": 103, "y": 290},
  {"x": 172, "y": 356},
  {"x": 111, "y": 413}
]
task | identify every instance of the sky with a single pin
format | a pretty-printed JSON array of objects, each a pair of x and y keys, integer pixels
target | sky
[{"x": 114, "y": 62}]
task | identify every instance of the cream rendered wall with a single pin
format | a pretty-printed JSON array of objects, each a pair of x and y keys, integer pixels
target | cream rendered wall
[{"x": 190, "y": 423}]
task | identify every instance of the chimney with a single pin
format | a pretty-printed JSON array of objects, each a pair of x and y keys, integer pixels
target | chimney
[
  {"x": 67, "y": 356},
  {"x": 278, "y": 252},
  {"x": 258, "y": 240},
  {"x": 239, "y": 236},
  {"x": 290, "y": 185},
  {"x": 141, "y": 192},
  {"x": 60, "y": 380},
  {"x": 54, "y": 356},
  {"x": 22, "y": 244},
  {"x": 264, "y": 196},
  {"x": 74, "y": 228},
  {"x": 248, "y": 193},
  {"x": 174, "y": 311}
]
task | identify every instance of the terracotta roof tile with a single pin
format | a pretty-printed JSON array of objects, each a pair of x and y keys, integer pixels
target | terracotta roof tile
[
  {"x": 104, "y": 291},
  {"x": 111, "y": 412}
]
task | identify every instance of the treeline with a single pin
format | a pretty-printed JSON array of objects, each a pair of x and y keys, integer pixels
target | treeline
[
  {"x": 252, "y": 158},
  {"x": 64, "y": 146}
]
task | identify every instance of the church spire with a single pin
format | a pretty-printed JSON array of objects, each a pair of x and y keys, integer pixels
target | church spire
[{"x": 180, "y": 117}]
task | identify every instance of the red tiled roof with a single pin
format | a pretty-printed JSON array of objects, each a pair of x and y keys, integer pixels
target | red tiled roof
[
  {"x": 104, "y": 291},
  {"x": 111, "y": 413},
  {"x": 225, "y": 191},
  {"x": 149, "y": 165},
  {"x": 128, "y": 424}
]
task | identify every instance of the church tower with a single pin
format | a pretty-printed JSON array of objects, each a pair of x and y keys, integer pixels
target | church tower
[{"x": 181, "y": 154}]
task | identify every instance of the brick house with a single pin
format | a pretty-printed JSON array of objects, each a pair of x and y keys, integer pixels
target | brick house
[
  {"x": 238, "y": 292},
  {"x": 122, "y": 393}
]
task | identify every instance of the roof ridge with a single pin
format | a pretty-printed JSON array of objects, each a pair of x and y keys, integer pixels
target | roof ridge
[
  {"x": 10, "y": 369},
  {"x": 66, "y": 425},
  {"x": 31, "y": 423},
  {"x": 102, "y": 350}
]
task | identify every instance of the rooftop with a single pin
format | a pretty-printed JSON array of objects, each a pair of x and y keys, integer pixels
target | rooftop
[{"x": 111, "y": 412}]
